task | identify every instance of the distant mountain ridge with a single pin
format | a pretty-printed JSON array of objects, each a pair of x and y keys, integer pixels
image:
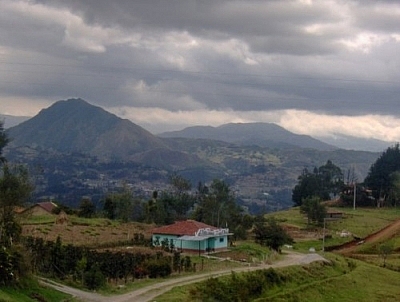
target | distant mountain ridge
[
  {"x": 260, "y": 134},
  {"x": 80, "y": 146}
]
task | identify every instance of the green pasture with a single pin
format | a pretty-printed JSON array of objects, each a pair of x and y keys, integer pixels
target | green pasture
[{"x": 342, "y": 280}]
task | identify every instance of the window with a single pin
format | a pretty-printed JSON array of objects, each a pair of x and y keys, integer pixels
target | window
[{"x": 221, "y": 239}]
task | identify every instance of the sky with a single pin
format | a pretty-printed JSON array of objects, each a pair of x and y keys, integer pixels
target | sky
[{"x": 322, "y": 68}]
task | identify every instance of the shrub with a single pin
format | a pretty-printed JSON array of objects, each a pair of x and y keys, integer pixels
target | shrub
[
  {"x": 158, "y": 268},
  {"x": 94, "y": 278}
]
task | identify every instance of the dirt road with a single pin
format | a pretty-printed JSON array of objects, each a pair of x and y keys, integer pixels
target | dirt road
[
  {"x": 149, "y": 293},
  {"x": 383, "y": 234}
]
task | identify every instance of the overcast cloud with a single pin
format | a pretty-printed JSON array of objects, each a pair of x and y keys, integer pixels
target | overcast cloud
[{"x": 314, "y": 67}]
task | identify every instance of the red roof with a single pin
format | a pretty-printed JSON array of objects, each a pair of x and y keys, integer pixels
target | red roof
[
  {"x": 48, "y": 206},
  {"x": 180, "y": 228}
]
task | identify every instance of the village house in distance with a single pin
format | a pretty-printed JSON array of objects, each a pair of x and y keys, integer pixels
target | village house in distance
[{"x": 192, "y": 236}]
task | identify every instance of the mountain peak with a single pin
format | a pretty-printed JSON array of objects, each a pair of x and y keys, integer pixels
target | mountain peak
[{"x": 75, "y": 125}]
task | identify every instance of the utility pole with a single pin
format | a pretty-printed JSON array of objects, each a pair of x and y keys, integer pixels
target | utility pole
[
  {"x": 323, "y": 238},
  {"x": 354, "y": 196}
]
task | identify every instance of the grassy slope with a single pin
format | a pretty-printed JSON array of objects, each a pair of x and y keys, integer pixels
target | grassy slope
[
  {"x": 364, "y": 283},
  {"x": 360, "y": 222},
  {"x": 343, "y": 281},
  {"x": 28, "y": 290}
]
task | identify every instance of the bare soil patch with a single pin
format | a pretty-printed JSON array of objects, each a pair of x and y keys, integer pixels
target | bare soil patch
[{"x": 88, "y": 235}]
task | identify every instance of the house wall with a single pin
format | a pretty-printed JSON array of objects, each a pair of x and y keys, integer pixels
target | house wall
[
  {"x": 221, "y": 242},
  {"x": 162, "y": 237}
]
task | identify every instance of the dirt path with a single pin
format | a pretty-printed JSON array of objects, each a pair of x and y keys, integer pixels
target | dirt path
[
  {"x": 150, "y": 292},
  {"x": 385, "y": 233}
]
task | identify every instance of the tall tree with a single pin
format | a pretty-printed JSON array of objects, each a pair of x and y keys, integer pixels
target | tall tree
[
  {"x": 217, "y": 206},
  {"x": 3, "y": 141},
  {"x": 269, "y": 233},
  {"x": 123, "y": 203},
  {"x": 315, "y": 211},
  {"x": 380, "y": 175},
  {"x": 15, "y": 188},
  {"x": 87, "y": 208},
  {"x": 323, "y": 182},
  {"x": 109, "y": 208}
]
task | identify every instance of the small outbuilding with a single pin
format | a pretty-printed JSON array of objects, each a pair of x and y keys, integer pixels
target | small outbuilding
[
  {"x": 40, "y": 209},
  {"x": 192, "y": 236}
]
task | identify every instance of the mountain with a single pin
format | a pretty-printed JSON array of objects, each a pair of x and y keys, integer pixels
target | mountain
[
  {"x": 259, "y": 134},
  {"x": 11, "y": 120},
  {"x": 77, "y": 126}
]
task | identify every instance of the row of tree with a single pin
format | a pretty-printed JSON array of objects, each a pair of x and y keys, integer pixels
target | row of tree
[{"x": 93, "y": 268}]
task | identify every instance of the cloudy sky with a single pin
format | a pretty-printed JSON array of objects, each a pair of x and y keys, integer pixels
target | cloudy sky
[{"x": 321, "y": 68}]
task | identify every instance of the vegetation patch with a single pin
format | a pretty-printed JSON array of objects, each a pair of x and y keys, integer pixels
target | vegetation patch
[
  {"x": 29, "y": 290},
  {"x": 342, "y": 280}
]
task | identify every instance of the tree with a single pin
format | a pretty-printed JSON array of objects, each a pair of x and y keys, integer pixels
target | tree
[
  {"x": 315, "y": 211},
  {"x": 182, "y": 199},
  {"x": 385, "y": 249},
  {"x": 379, "y": 178},
  {"x": 307, "y": 186},
  {"x": 109, "y": 208},
  {"x": 172, "y": 204},
  {"x": 217, "y": 206},
  {"x": 394, "y": 194},
  {"x": 94, "y": 278},
  {"x": 269, "y": 233},
  {"x": 3, "y": 141},
  {"x": 119, "y": 205},
  {"x": 323, "y": 182},
  {"x": 15, "y": 188},
  {"x": 87, "y": 208}
]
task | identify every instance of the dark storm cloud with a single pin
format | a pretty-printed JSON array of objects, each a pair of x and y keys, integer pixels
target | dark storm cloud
[{"x": 268, "y": 26}]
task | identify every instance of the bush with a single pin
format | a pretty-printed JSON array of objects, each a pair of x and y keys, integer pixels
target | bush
[
  {"x": 94, "y": 278},
  {"x": 237, "y": 287},
  {"x": 158, "y": 268}
]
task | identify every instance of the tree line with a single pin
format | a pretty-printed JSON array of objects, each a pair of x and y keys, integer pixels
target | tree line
[
  {"x": 94, "y": 268},
  {"x": 213, "y": 204},
  {"x": 381, "y": 186}
]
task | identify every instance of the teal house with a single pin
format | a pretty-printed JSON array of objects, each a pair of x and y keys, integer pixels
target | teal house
[{"x": 192, "y": 236}]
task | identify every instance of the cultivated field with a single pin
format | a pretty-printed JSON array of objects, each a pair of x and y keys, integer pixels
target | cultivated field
[{"x": 88, "y": 232}]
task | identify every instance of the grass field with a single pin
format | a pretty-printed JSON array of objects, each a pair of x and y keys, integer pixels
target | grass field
[
  {"x": 359, "y": 222},
  {"x": 343, "y": 280}
]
